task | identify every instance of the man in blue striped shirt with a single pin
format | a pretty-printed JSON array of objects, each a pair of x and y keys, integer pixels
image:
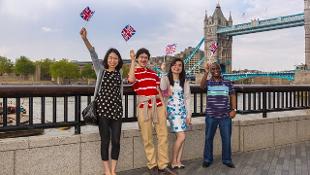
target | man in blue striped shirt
[{"x": 221, "y": 108}]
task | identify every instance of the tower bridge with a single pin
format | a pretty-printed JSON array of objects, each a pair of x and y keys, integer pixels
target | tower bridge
[{"x": 218, "y": 29}]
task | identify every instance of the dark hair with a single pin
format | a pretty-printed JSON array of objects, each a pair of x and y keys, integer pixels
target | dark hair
[
  {"x": 182, "y": 74},
  {"x": 141, "y": 51},
  {"x": 105, "y": 60}
]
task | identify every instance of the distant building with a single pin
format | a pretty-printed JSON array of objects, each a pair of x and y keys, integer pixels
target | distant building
[
  {"x": 126, "y": 61},
  {"x": 223, "y": 54},
  {"x": 158, "y": 60},
  {"x": 81, "y": 64},
  {"x": 301, "y": 67},
  {"x": 198, "y": 56}
]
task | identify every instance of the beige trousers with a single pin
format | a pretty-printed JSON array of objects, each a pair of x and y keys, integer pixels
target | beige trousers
[{"x": 162, "y": 158}]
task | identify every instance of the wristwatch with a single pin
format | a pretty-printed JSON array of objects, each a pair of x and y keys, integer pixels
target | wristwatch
[{"x": 234, "y": 109}]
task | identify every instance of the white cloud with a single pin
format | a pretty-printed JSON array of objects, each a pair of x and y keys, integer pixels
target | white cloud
[{"x": 48, "y": 29}]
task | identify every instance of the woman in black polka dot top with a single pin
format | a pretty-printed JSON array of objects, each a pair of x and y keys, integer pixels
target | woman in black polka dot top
[{"x": 108, "y": 97}]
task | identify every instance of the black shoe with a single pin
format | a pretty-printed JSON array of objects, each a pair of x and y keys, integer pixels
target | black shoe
[
  {"x": 168, "y": 171},
  {"x": 230, "y": 165},
  {"x": 206, "y": 164},
  {"x": 154, "y": 170}
]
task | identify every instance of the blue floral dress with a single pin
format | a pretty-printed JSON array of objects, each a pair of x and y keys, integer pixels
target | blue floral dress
[{"x": 176, "y": 109}]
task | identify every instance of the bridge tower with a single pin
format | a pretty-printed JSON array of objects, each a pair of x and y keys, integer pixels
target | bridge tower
[
  {"x": 307, "y": 33},
  {"x": 224, "y": 51}
]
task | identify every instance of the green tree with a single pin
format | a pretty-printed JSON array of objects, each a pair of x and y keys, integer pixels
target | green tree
[
  {"x": 125, "y": 68},
  {"x": 6, "y": 65},
  {"x": 63, "y": 69},
  {"x": 88, "y": 72},
  {"x": 24, "y": 66},
  {"x": 45, "y": 68}
]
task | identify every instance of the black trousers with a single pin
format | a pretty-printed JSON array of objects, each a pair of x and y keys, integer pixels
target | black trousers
[{"x": 107, "y": 128}]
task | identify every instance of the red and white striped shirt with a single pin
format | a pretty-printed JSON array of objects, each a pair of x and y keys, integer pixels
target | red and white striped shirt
[{"x": 146, "y": 84}]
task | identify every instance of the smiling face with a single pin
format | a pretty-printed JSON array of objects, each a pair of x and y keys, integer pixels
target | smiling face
[
  {"x": 177, "y": 67},
  {"x": 143, "y": 60},
  {"x": 215, "y": 70},
  {"x": 113, "y": 60}
]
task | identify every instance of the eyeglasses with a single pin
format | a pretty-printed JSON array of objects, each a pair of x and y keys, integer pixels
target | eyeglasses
[{"x": 146, "y": 57}]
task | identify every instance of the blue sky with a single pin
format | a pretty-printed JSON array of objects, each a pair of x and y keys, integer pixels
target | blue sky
[{"x": 50, "y": 29}]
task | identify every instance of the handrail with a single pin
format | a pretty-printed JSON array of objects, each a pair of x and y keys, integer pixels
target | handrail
[{"x": 251, "y": 99}]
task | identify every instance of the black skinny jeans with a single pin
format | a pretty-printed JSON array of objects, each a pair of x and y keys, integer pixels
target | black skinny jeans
[{"x": 109, "y": 127}]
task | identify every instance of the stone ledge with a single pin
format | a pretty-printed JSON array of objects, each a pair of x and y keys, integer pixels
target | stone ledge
[
  {"x": 257, "y": 121},
  {"x": 12, "y": 144},
  {"x": 45, "y": 141},
  {"x": 248, "y": 135},
  {"x": 90, "y": 137}
]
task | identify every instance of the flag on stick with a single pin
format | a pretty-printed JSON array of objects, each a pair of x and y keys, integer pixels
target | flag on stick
[
  {"x": 213, "y": 47},
  {"x": 87, "y": 13},
  {"x": 127, "y": 32},
  {"x": 170, "y": 49}
]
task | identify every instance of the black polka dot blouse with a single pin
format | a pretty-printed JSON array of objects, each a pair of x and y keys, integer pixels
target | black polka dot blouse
[{"x": 108, "y": 100}]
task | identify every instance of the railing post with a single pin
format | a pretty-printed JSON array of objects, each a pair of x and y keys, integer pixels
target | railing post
[
  {"x": 78, "y": 114},
  {"x": 264, "y": 104}
]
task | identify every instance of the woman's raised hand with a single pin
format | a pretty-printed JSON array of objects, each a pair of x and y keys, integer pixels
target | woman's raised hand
[
  {"x": 207, "y": 67},
  {"x": 83, "y": 33}
]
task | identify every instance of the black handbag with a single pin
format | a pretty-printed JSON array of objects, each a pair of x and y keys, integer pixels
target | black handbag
[{"x": 89, "y": 114}]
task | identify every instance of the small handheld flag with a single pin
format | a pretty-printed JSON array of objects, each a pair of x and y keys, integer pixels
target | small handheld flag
[
  {"x": 127, "y": 32},
  {"x": 213, "y": 47},
  {"x": 170, "y": 49},
  {"x": 87, "y": 13}
]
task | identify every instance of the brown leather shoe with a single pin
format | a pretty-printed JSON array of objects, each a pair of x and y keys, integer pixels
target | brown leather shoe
[
  {"x": 168, "y": 171},
  {"x": 153, "y": 171}
]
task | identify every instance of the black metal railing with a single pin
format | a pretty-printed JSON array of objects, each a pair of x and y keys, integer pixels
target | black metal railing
[
  {"x": 251, "y": 99},
  {"x": 264, "y": 99}
]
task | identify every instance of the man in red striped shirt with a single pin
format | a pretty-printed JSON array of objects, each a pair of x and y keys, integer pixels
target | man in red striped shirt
[{"x": 151, "y": 112}]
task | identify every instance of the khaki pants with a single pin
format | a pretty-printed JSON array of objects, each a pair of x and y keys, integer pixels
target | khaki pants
[{"x": 146, "y": 127}]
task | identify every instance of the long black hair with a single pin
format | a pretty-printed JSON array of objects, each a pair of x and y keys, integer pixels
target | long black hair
[
  {"x": 105, "y": 60},
  {"x": 182, "y": 74}
]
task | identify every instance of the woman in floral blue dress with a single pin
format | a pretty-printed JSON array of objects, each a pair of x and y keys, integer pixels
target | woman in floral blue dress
[{"x": 176, "y": 91}]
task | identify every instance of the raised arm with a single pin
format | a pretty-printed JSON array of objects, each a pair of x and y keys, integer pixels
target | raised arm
[
  {"x": 131, "y": 74},
  {"x": 205, "y": 77},
  {"x": 93, "y": 54},
  {"x": 83, "y": 34}
]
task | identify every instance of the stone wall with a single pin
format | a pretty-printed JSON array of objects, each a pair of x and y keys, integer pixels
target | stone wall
[
  {"x": 307, "y": 32},
  {"x": 302, "y": 77},
  {"x": 80, "y": 154}
]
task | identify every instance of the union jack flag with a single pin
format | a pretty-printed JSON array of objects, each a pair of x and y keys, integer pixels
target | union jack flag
[
  {"x": 213, "y": 47},
  {"x": 170, "y": 48},
  {"x": 127, "y": 32},
  {"x": 86, "y": 14}
]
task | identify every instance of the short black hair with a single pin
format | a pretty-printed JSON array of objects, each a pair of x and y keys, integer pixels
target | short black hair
[
  {"x": 141, "y": 51},
  {"x": 105, "y": 60}
]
